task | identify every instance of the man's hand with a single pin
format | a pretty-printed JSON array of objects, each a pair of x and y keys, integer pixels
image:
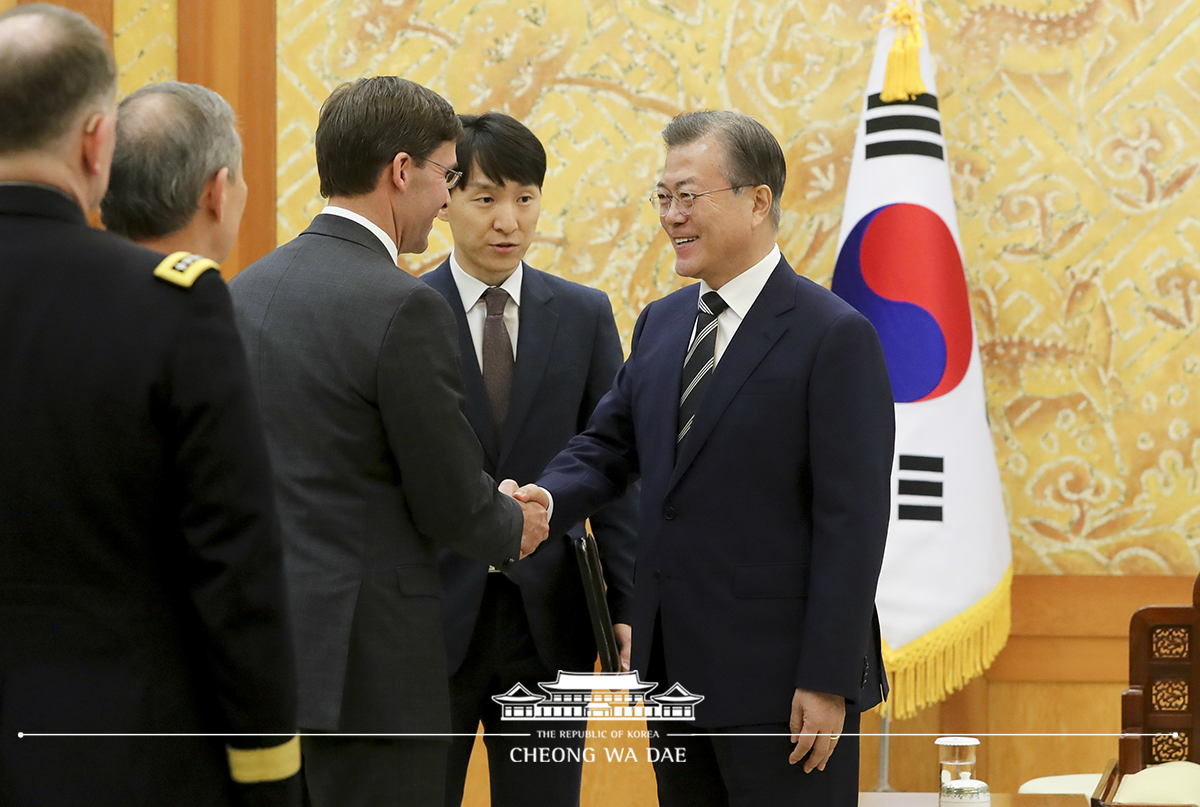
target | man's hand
[
  {"x": 533, "y": 503},
  {"x": 528, "y": 493},
  {"x": 816, "y": 724},
  {"x": 624, "y": 643}
]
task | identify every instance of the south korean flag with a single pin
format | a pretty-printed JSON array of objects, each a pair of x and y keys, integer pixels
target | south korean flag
[{"x": 943, "y": 599}]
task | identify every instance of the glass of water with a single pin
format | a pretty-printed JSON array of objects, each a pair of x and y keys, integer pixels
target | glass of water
[{"x": 956, "y": 756}]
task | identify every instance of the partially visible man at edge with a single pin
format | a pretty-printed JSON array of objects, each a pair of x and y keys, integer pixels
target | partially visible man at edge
[
  {"x": 356, "y": 366},
  {"x": 177, "y": 183},
  {"x": 141, "y": 587}
]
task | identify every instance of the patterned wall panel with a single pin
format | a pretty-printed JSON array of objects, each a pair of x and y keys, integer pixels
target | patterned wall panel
[
  {"x": 1073, "y": 129},
  {"x": 144, "y": 42}
]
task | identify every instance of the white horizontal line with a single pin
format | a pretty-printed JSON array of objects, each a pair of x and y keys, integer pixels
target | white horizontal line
[
  {"x": 1172, "y": 734},
  {"x": 22, "y": 734}
]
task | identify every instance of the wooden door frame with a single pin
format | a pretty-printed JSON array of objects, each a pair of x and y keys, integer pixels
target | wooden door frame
[{"x": 229, "y": 47}]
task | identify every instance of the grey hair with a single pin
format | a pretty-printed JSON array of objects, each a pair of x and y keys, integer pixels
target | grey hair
[
  {"x": 172, "y": 138},
  {"x": 752, "y": 155}
]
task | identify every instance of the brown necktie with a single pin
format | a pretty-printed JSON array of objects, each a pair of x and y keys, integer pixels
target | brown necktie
[{"x": 497, "y": 355}]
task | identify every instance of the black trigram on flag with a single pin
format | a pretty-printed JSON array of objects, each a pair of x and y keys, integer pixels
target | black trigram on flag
[
  {"x": 928, "y": 489},
  {"x": 904, "y": 127}
]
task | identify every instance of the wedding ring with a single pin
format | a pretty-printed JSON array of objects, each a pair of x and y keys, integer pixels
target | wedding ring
[{"x": 834, "y": 737}]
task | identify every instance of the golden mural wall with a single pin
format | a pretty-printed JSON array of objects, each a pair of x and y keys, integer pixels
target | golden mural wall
[
  {"x": 144, "y": 42},
  {"x": 1073, "y": 129}
]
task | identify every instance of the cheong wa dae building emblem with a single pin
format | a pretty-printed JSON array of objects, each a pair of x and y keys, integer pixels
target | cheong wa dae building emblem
[{"x": 597, "y": 696}]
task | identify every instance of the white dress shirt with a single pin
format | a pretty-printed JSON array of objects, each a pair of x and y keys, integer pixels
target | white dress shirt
[
  {"x": 739, "y": 294},
  {"x": 333, "y": 210},
  {"x": 471, "y": 290}
]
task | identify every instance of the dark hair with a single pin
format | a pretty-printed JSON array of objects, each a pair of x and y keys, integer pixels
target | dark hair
[
  {"x": 48, "y": 77},
  {"x": 502, "y": 147},
  {"x": 752, "y": 155},
  {"x": 172, "y": 138},
  {"x": 364, "y": 124}
]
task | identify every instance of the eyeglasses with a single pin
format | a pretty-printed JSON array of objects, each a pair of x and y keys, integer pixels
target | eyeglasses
[
  {"x": 452, "y": 176},
  {"x": 661, "y": 201}
]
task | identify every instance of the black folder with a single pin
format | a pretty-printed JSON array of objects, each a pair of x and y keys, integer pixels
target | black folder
[{"x": 588, "y": 556}]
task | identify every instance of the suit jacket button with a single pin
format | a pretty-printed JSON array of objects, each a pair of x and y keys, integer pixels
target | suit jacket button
[{"x": 669, "y": 513}]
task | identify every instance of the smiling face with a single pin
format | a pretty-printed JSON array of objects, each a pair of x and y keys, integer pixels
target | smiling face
[
  {"x": 493, "y": 225},
  {"x": 427, "y": 195},
  {"x": 717, "y": 241}
]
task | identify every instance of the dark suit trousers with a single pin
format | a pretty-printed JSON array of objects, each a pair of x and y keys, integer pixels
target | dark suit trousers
[
  {"x": 502, "y": 654},
  {"x": 722, "y": 770},
  {"x": 373, "y": 771}
]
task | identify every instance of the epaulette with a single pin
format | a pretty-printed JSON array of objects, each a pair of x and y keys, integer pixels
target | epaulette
[{"x": 182, "y": 268}]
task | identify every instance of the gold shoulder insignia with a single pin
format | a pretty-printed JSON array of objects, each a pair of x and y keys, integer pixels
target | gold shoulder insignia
[
  {"x": 182, "y": 268},
  {"x": 250, "y": 765}
]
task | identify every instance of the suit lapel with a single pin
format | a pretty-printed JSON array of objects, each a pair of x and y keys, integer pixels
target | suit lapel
[
  {"x": 479, "y": 412},
  {"x": 664, "y": 350},
  {"x": 755, "y": 337},
  {"x": 535, "y": 341}
]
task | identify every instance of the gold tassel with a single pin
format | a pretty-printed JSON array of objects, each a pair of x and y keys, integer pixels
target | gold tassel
[
  {"x": 912, "y": 63},
  {"x": 926, "y": 670},
  {"x": 893, "y": 75},
  {"x": 902, "y": 77}
]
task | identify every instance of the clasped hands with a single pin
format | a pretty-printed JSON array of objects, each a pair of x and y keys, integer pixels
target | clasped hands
[{"x": 534, "y": 502}]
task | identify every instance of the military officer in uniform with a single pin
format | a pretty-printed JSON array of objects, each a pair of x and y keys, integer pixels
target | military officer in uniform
[
  {"x": 177, "y": 183},
  {"x": 141, "y": 583}
]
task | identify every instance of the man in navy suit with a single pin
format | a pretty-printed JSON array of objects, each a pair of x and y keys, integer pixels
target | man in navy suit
[
  {"x": 538, "y": 353},
  {"x": 755, "y": 407}
]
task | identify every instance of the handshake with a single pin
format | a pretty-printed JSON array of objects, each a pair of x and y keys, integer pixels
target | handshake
[{"x": 535, "y": 503}]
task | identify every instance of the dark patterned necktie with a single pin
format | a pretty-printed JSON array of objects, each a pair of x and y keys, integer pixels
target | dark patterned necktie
[
  {"x": 497, "y": 355},
  {"x": 700, "y": 361}
]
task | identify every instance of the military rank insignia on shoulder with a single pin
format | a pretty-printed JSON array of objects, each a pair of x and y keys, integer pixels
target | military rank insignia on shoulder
[{"x": 183, "y": 268}]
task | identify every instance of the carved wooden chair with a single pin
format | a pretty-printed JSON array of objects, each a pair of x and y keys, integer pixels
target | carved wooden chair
[
  {"x": 1163, "y": 698},
  {"x": 1160, "y": 712}
]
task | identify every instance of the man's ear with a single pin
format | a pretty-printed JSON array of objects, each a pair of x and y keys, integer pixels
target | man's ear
[
  {"x": 402, "y": 168},
  {"x": 216, "y": 194},
  {"x": 762, "y": 204},
  {"x": 99, "y": 133}
]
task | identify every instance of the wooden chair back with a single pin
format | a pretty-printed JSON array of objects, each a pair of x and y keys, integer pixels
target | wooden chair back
[{"x": 1160, "y": 712}]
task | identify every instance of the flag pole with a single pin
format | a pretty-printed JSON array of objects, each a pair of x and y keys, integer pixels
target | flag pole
[{"x": 885, "y": 750}]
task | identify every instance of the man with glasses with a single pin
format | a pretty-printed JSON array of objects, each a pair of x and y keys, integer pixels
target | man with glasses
[
  {"x": 356, "y": 367},
  {"x": 756, "y": 408}
]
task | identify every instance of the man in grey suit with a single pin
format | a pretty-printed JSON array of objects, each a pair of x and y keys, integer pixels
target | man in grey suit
[{"x": 356, "y": 368}]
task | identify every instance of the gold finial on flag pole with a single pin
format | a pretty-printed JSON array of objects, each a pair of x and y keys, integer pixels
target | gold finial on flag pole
[{"x": 902, "y": 78}]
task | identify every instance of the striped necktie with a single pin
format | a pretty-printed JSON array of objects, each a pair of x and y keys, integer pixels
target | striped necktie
[{"x": 700, "y": 361}]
